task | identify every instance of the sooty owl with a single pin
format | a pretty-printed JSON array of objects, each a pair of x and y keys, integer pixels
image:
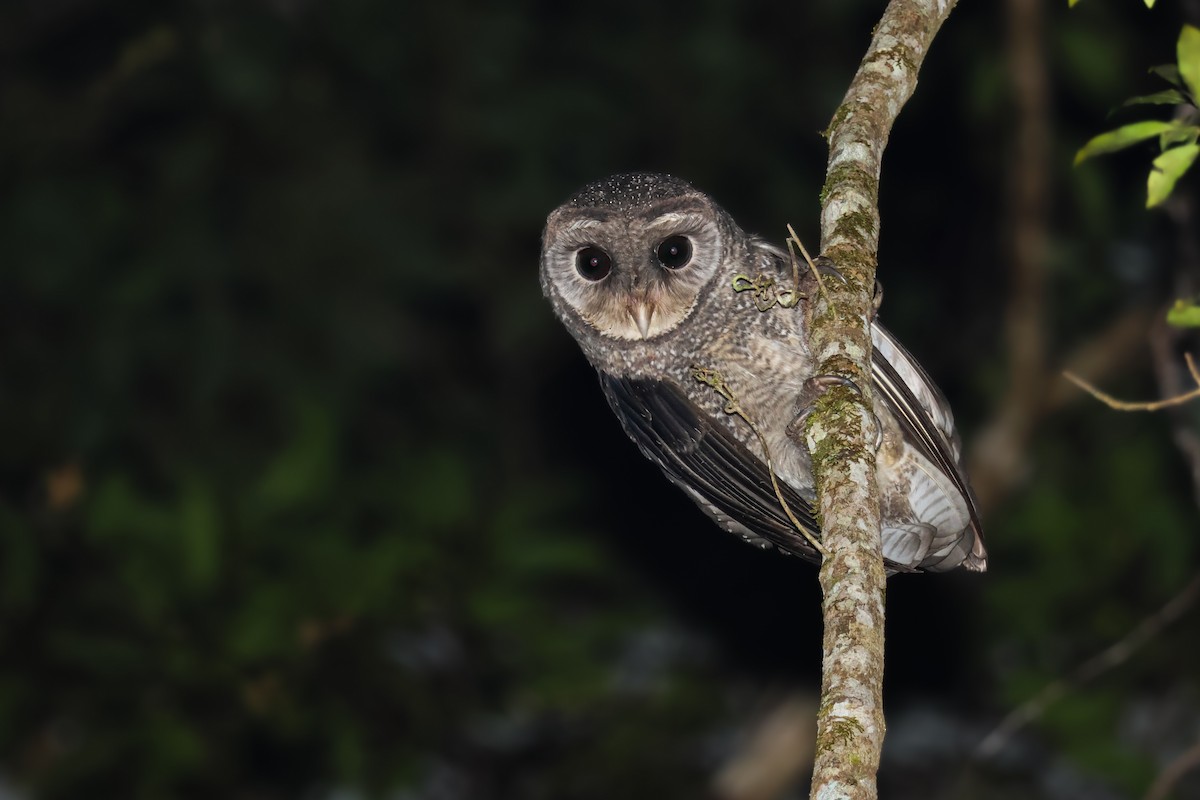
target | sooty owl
[{"x": 646, "y": 273}]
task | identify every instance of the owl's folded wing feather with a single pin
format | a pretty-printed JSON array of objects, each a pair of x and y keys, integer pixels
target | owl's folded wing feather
[
  {"x": 924, "y": 417},
  {"x": 729, "y": 482}
]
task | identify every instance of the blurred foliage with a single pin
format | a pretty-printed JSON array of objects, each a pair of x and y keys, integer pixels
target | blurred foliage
[
  {"x": 1184, "y": 314},
  {"x": 305, "y": 495}
]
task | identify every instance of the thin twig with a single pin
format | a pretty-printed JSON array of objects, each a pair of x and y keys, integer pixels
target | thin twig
[
  {"x": 999, "y": 461},
  {"x": 1153, "y": 405},
  {"x": 792, "y": 237},
  {"x": 712, "y": 378},
  {"x": 1184, "y": 763},
  {"x": 1106, "y": 352},
  {"x": 1112, "y": 656},
  {"x": 1183, "y": 430}
]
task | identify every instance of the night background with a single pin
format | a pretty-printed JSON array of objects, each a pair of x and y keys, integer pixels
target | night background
[{"x": 304, "y": 493}]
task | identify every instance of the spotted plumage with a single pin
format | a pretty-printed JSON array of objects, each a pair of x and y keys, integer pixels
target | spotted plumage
[{"x": 641, "y": 269}]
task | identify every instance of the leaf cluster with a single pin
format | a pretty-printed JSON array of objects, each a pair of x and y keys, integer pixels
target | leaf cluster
[{"x": 1176, "y": 138}]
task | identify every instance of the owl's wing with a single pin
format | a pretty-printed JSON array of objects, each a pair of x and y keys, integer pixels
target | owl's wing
[
  {"x": 925, "y": 419},
  {"x": 728, "y": 481}
]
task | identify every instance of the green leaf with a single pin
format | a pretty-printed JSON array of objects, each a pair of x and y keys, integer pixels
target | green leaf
[
  {"x": 1180, "y": 134},
  {"x": 1167, "y": 97},
  {"x": 1188, "y": 51},
  {"x": 21, "y": 562},
  {"x": 1169, "y": 73},
  {"x": 264, "y": 625},
  {"x": 199, "y": 533},
  {"x": 1167, "y": 169},
  {"x": 1123, "y": 137},
  {"x": 303, "y": 471},
  {"x": 119, "y": 515},
  {"x": 1184, "y": 314}
]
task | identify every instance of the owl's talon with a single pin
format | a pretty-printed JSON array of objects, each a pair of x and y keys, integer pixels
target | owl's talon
[
  {"x": 816, "y": 386},
  {"x": 824, "y": 265}
]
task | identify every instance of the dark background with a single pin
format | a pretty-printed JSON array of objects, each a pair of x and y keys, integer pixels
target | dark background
[{"x": 304, "y": 492}]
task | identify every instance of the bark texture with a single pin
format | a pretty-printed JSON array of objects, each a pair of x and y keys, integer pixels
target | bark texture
[{"x": 841, "y": 431}]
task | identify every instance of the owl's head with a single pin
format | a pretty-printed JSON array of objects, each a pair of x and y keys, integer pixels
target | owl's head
[{"x": 630, "y": 256}]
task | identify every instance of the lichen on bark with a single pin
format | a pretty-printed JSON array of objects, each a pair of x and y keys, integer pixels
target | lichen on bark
[{"x": 850, "y": 723}]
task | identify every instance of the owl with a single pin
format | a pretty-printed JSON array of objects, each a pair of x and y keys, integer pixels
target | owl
[{"x": 699, "y": 334}]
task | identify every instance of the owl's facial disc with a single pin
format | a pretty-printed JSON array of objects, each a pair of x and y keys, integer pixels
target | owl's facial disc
[{"x": 634, "y": 279}]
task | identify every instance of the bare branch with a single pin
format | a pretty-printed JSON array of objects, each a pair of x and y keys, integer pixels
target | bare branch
[
  {"x": 775, "y": 754},
  {"x": 998, "y": 460},
  {"x": 1180, "y": 207},
  {"x": 794, "y": 240},
  {"x": 1152, "y": 405},
  {"x": 1187, "y": 439},
  {"x": 850, "y": 723},
  {"x": 1107, "y": 352},
  {"x": 1184, "y": 763},
  {"x": 998, "y": 455},
  {"x": 1112, "y": 656}
]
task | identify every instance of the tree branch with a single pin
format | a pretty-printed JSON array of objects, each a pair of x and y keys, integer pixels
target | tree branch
[
  {"x": 775, "y": 754},
  {"x": 1184, "y": 763},
  {"x": 850, "y": 723},
  {"x": 1150, "y": 405},
  {"x": 998, "y": 457},
  {"x": 1111, "y": 657}
]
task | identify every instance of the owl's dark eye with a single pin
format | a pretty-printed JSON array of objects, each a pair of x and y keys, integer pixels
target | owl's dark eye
[
  {"x": 593, "y": 263},
  {"x": 675, "y": 252}
]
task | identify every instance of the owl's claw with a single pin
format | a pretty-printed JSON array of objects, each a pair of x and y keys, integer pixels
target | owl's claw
[
  {"x": 819, "y": 384},
  {"x": 816, "y": 386},
  {"x": 825, "y": 267}
]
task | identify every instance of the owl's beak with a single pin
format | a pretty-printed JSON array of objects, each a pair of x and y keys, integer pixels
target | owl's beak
[{"x": 642, "y": 313}]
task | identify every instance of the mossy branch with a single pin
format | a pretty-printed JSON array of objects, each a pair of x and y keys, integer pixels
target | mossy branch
[{"x": 850, "y": 724}]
